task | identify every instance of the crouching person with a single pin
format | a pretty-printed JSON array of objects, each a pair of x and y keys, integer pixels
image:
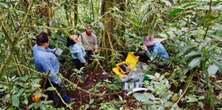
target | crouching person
[
  {"x": 77, "y": 51},
  {"x": 154, "y": 48},
  {"x": 46, "y": 61},
  {"x": 151, "y": 48}
]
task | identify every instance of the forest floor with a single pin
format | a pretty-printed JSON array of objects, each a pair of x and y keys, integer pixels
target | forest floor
[{"x": 89, "y": 79}]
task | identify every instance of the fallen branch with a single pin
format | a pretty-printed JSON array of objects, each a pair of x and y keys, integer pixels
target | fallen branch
[
  {"x": 79, "y": 88},
  {"x": 60, "y": 96}
]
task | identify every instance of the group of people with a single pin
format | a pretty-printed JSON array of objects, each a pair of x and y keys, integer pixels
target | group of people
[{"x": 82, "y": 47}]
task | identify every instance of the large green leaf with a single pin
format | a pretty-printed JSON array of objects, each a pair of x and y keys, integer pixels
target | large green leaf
[
  {"x": 193, "y": 54},
  {"x": 175, "y": 12},
  {"x": 194, "y": 63},
  {"x": 3, "y": 5},
  {"x": 212, "y": 69},
  {"x": 15, "y": 100},
  {"x": 144, "y": 97},
  {"x": 192, "y": 99}
]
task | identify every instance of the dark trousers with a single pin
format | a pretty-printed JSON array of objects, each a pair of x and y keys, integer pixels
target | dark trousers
[
  {"x": 142, "y": 56},
  {"x": 89, "y": 57},
  {"x": 78, "y": 64},
  {"x": 52, "y": 95}
]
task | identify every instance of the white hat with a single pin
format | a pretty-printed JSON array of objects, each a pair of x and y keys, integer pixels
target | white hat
[{"x": 150, "y": 40}]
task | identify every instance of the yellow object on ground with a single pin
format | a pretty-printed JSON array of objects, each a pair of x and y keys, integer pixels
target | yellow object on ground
[
  {"x": 131, "y": 60},
  {"x": 36, "y": 98},
  {"x": 117, "y": 71},
  {"x": 123, "y": 68}
]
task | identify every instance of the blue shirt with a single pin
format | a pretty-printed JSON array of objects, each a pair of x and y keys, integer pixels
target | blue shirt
[
  {"x": 46, "y": 61},
  {"x": 78, "y": 52},
  {"x": 157, "y": 50}
]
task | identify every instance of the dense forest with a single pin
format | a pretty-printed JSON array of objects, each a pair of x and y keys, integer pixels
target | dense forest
[{"x": 190, "y": 79}]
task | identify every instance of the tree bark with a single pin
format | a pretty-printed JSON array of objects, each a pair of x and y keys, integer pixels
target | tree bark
[
  {"x": 122, "y": 8},
  {"x": 75, "y": 12},
  {"x": 92, "y": 16},
  {"x": 107, "y": 20}
]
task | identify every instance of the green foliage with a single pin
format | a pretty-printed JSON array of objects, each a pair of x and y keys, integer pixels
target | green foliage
[
  {"x": 160, "y": 95},
  {"x": 113, "y": 105},
  {"x": 17, "y": 91},
  {"x": 193, "y": 30}
]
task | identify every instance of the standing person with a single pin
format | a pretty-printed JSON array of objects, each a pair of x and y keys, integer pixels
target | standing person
[
  {"x": 153, "y": 48},
  {"x": 89, "y": 41},
  {"x": 77, "y": 51},
  {"x": 46, "y": 61}
]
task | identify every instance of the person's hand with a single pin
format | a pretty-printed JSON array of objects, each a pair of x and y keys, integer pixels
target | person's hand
[
  {"x": 96, "y": 50},
  {"x": 144, "y": 47},
  {"x": 124, "y": 76},
  {"x": 58, "y": 51},
  {"x": 85, "y": 64},
  {"x": 79, "y": 39}
]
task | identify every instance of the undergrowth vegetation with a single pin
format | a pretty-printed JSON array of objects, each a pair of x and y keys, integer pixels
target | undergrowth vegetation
[{"x": 190, "y": 79}]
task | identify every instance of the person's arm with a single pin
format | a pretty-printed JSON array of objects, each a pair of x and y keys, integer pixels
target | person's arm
[
  {"x": 51, "y": 50},
  {"x": 148, "y": 53},
  {"x": 75, "y": 50},
  {"x": 56, "y": 51},
  {"x": 48, "y": 66},
  {"x": 155, "y": 52},
  {"x": 95, "y": 43},
  {"x": 81, "y": 58}
]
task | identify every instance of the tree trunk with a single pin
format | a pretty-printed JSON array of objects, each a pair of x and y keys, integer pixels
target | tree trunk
[
  {"x": 122, "y": 8},
  {"x": 48, "y": 9},
  {"x": 91, "y": 11},
  {"x": 75, "y": 12},
  {"x": 107, "y": 20}
]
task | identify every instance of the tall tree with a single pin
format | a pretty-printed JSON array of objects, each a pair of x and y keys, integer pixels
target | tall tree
[
  {"x": 91, "y": 11},
  {"x": 71, "y": 7},
  {"x": 75, "y": 12},
  {"x": 121, "y": 5},
  {"x": 107, "y": 20}
]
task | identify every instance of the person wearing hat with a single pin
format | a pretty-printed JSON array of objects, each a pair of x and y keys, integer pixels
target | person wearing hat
[
  {"x": 77, "y": 51},
  {"x": 46, "y": 61},
  {"x": 153, "y": 48},
  {"x": 89, "y": 41}
]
